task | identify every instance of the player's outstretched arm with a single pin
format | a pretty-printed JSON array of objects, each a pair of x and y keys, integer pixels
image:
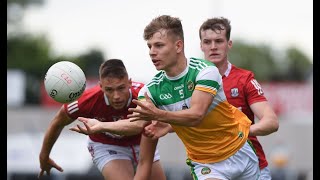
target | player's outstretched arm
[
  {"x": 146, "y": 155},
  {"x": 91, "y": 126},
  {"x": 60, "y": 120},
  {"x": 192, "y": 116},
  {"x": 268, "y": 120},
  {"x": 120, "y": 127}
]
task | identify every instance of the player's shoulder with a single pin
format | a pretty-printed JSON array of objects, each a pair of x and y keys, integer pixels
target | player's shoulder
[
  {"x": 90, "y": 97},
  {"x": 156, "y": 79},
  {"x": 198, "y": 65},
  {"x": 91, "y": 92},
  {"x": 136, "y": 86},
  {"x": 199, "y": 62},
  {"x": 92, "y": 89},
  {"x": 241, "y": 71}
]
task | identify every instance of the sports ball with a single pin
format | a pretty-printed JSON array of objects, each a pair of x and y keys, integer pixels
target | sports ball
[{"x": 65, "y": 82}]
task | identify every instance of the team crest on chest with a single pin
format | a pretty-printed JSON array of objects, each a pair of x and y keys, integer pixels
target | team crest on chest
[
  {"x": 190, "y": 85},
  {"x": 234, "y": 92}
]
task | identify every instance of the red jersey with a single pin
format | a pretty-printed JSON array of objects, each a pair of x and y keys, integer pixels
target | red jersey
[
  {"x": 242, "y": 90},
  {"x": 93, "y": 103}
]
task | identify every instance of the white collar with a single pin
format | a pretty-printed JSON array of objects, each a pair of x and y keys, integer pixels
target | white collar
[{"x": 228, "y": 69}]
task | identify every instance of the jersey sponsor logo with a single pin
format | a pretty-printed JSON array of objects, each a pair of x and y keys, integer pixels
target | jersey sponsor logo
[
  {"x": 165, "y": 96},
  {"x": 234, "y": 92},
  {"x": 178, "y": 87},
  {"x": 257, "y": 86},
  {"x": 190, "y": 85},
  {"x": 205, "y": 170}
]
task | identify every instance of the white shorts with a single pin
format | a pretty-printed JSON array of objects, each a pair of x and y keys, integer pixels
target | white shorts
[
  {"x": 265, "y": 174},
  {"x": 103, "y": 153},
  {"x": 243, "y": 165}
]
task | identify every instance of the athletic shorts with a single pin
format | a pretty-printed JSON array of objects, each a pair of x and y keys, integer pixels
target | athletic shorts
[
  {"x": 103, "y": 153},
  {"x": 243, "y": 165},
  {"x": 265, "y": 174}
]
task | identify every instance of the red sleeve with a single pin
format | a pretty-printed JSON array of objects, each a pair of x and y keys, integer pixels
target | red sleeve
[
  {"x": 75, "y": 109},
  {"x": 253, "y": 90},
  {"x": 136, "y": 87}
]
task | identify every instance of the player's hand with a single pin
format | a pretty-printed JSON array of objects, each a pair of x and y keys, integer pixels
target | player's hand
[
  {"x": 91, "y": 126},
  {"x": 145, "y": 110},
  {"x": 46, "y": 164},
  {"x": 157, "y": 129}
]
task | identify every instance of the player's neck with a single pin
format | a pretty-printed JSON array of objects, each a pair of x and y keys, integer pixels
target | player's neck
[
  {"x": 177, "y": 68},
  {"x": 222, "y": 67}
]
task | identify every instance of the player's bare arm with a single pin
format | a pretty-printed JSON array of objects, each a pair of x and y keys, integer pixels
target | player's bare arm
[
  {"x": 200, "y": 102},
  {"x": 120, "y": 127},
  {"x": 60, "y": 120},
  {"x": 147, "y": 149},
  {"x": 268, "y": 121}
]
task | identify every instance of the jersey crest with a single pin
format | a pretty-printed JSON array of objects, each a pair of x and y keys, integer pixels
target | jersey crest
[{"x": 234, "y": 92}]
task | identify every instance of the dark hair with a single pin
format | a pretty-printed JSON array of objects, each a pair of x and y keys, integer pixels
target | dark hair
[
  {"x": 216, "y": 24},
  {"x": 113, "y": 68},
  {"x": 172, "y": 25}
]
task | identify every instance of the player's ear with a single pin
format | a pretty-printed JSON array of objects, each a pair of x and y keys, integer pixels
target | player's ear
[
  {"x": 100, "y": 84},
  {"x": 179, "y": 46},
  {"x": 130, "y": 82},
  {"x": 201, "y": 47},
  {"x": 230, "y": 44}
]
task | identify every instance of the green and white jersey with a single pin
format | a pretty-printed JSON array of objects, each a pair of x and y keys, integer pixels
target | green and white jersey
[
  {"x": 217, "y": 136},
  {"x": 174, "y": 93}
]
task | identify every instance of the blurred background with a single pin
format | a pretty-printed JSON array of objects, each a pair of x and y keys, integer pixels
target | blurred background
[{"x": 274, "y": 39}]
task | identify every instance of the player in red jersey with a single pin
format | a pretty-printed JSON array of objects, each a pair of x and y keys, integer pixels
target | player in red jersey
[
  {"x": 241, "y": 88},
  {"x": 114, "y": 150}
]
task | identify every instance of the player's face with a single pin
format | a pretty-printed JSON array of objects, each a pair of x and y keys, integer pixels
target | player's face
[
  {"x": 116, "y": 90},
  {"x": 163, "y": 50},
  {"x": 215, "y": 45}
]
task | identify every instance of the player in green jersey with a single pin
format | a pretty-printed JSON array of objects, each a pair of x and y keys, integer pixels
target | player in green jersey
[{"x": 187, "y": 93}]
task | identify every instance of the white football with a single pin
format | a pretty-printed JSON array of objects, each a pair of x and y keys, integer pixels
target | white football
[{"x": 65, "y": 82}]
